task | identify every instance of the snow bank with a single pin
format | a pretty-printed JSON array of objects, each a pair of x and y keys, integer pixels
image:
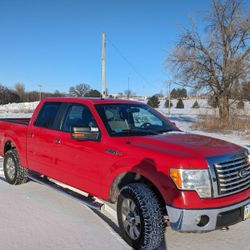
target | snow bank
[{"x": 23, "y": 107}]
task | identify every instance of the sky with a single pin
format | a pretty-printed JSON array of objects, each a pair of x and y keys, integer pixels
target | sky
[{"x": 57, "y": 43}]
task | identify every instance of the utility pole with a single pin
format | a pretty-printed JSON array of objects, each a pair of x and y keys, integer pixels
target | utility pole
[
  {"x": 169, "y": 97},
  {"x": 104, "y": 88},
  {"x": 128, "y": 95},
  {"x": 40, "y": 89}
]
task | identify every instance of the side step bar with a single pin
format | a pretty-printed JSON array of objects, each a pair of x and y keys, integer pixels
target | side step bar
[{"x": 88, "y": 201}]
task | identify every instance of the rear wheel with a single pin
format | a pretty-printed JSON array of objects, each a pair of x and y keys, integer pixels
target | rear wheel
[
  {"x": 140, "y": 216},
  {"x": 15, "y": 174}
]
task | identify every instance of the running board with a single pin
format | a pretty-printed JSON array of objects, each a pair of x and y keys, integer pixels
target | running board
[{"x": 88, "y": 201}]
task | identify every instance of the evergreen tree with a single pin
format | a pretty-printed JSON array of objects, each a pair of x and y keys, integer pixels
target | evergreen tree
[
  {"x": 167, "y": 103},
  {"x": 196, "y": 105},
  {"x": 183, "y": 93},
  {"x": 93, "y": 93},
  {"x": 153, "y": 101},
  {"x": 178, "y": 93},
  {"x": 180, "y": 104},
  {"x": 173, "y": 93}
]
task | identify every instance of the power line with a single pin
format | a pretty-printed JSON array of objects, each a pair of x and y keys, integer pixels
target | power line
[{"x": 127, "y": 61}]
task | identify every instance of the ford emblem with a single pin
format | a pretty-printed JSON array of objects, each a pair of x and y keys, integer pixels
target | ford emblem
[{"x": 243, "y": 173}]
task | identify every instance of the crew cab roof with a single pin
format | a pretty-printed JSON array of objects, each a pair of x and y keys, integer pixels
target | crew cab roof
[{"x": 89, "y": 100}]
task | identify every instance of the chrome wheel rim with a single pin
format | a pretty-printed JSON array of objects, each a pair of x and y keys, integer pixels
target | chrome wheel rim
[
  {"x": 131, "y": 219},
  {"x": 10, "y": 168}
]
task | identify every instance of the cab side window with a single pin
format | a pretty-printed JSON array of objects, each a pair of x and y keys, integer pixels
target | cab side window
[
  {"x": 47, "y": 115},
  {"x": 78, "y": 116}
]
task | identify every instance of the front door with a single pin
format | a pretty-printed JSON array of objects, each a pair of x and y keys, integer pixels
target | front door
[{"x": 81, "y": 162}]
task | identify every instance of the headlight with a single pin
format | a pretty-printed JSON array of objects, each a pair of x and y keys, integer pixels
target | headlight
[{"x": 196, "y": 180}]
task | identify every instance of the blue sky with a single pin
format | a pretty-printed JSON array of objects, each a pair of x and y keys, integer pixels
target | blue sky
[{"x": 57, "y": 43}]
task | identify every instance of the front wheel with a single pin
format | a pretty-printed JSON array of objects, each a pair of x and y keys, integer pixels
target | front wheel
[
  {"x": 14, "y": 173},
  {"x": 140, "y": 217}
]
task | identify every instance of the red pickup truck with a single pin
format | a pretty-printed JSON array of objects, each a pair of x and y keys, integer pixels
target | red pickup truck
[{"x": 127, "y": 153}]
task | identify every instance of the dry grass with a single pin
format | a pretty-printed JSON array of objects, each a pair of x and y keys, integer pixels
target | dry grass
[{"x": 214, "y": 124}]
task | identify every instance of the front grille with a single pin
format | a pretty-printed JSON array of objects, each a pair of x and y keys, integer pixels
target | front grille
[{"x": 233, "y": 174}]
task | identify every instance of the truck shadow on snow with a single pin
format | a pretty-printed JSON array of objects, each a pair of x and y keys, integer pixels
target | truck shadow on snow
[
  {"x": 148, "y": 166},
  {"x": 116, "y": 229},
  {"x": 1, "y": 171},
  {"x": 2, "y": 179}
]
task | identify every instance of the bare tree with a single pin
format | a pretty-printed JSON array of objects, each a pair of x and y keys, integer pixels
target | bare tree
[
  {"x": 246, "y": 91},
  {"x": 79, "y": 90},
  {"x": 7, "y": 95},
  {"x": 218, "y": 61},
  {"x": 129, "y": 93},
  {"x": 20, "y": 90}
]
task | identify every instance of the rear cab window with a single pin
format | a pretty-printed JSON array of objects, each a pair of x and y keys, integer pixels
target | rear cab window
[{"x": 47, "y": 115}]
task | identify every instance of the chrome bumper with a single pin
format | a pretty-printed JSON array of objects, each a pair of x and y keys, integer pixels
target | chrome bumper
[{"x": 185, "y": 220}]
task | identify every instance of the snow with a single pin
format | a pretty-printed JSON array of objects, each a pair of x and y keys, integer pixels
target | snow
[
  {"x": 24, "y": 109},
  {"x": 185, "y": 119},
  {"x": 36, "y": 217},
  {"x": 185, "y": 122}
]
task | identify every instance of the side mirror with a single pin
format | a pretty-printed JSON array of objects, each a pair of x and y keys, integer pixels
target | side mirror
[{"x": 85, "y": 134}]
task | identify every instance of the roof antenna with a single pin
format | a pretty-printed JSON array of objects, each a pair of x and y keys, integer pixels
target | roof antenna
[{"x": 104, "y": 88}]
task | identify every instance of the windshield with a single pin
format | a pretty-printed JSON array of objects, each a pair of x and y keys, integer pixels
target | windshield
[{"x": 132, "y": 120}]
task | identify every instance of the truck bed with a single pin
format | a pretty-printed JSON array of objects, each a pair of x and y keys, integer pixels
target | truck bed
[
  {"x": 14, "y": 130},
  {"x": 24, "y": 121}
]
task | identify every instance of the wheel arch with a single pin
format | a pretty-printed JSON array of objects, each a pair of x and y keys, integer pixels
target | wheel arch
[
  {"x": 19, "y": 145},
  {"x": 8, "y": 145},
  {"x": 125, "y": 178}
]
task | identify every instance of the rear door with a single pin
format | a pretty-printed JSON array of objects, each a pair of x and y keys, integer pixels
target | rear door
[{"x": 42, "y": 138}]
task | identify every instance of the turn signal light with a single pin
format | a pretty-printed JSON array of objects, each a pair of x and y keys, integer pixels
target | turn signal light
[{"x": 176, "y": 177}]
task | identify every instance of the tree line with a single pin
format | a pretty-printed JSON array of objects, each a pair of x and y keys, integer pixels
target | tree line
[{"x": 19, "y": 94}]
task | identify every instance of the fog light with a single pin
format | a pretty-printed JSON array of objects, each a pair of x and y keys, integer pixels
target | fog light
[{"x": 202, "y": 220}]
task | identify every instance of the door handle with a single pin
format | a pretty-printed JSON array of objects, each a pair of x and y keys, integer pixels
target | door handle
[
  {"x": 57, "y": 141},
  {"x": 31, "y": 135}
]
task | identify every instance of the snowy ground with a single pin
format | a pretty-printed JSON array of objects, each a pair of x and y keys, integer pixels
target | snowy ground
[
  {"x": 35, "y": 217},
  {"x": 185, "y": 118}
]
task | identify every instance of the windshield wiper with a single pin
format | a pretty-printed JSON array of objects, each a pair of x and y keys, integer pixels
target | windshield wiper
[
  {"x": 129, "y": 132},
  {"x": 143, "y": 131},
  {"x": 134, "y": 132},
  {"x": 165, "y": 131}
]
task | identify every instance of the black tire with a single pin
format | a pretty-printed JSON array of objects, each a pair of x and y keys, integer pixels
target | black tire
[
  {"x": 17, "y": 174},
  {"x": 151, "y": 226}
]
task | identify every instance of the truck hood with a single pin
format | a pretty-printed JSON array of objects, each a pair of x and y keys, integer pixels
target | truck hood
[{"x": 185, "y": 144}]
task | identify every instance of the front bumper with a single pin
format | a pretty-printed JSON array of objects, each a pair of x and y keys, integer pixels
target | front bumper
[{"x": 185, "y": 220}]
